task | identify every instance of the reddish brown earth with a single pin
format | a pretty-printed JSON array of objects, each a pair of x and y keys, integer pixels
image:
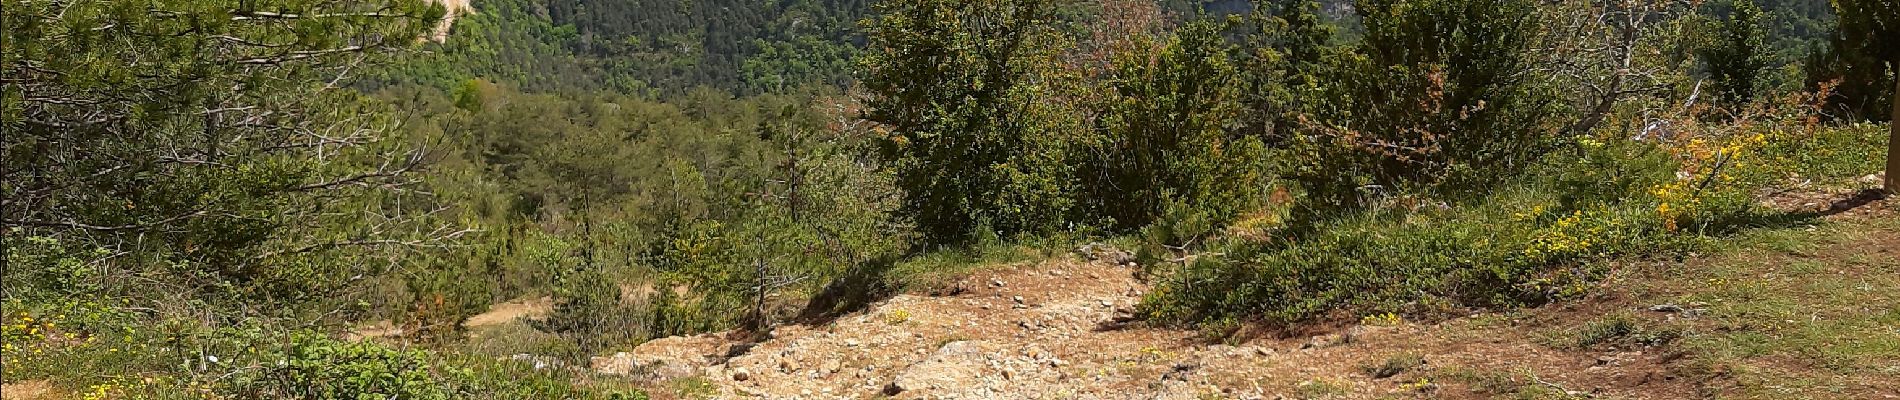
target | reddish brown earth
[{"x": 1062, "y": 340}]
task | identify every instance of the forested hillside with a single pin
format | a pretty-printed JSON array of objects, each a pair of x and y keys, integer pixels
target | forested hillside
[
  {"x": 649, "y": 47},
  {"x": 646, "y": 47},
  {"x": 325, "y": 200}
]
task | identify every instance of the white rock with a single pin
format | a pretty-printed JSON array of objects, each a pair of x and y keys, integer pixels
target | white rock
[
  {"x": 955, "y": 366},
  {"x": 1874, "y": 178}
]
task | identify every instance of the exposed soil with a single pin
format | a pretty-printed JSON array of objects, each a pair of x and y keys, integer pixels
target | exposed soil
[
  {"x": 456, "y": 8},
  {"x": 510, "y": 311},
  {"x": 1833, "y": 205},
  {"x": 26, "y": 390},
  {"x": 1062, "y": 339}
]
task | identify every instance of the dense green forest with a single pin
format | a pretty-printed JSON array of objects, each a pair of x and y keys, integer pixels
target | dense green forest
[
  {"x": 645, "y": 47},
  {"x": 252, "y": 178}
]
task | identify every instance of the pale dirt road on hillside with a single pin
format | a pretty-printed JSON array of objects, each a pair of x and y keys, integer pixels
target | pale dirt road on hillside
[{"x": 456, "y": 8}]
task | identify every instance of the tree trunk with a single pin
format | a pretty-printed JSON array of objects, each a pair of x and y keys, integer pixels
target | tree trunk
[
  {"x": 1893, "y": 143},
  {"x": 760, "y": 323}
]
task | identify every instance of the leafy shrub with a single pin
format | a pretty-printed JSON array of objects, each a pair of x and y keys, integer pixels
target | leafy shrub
[
  {"x": 106, "y": 353},
  {"x": 686, "y": 246},
  {"x": 317, "y": 367},
  {"x": 1524, "y": 244},
  {"x": 1735, "y": 55},
  {"x": 41, "y": 267},
  {"x": 1528, "y": 240},
  {"x": 965, "y": 88},
  {"x": 591, "y": 312},
  {"x": 1180, "y": 229},
  {"x": 1858, "y": 62},
  {"x": 1440, "y": 92},
  {"x": 1825, "y": 155},
  {"x": 1168, "y": 139},
  {"x": 198, "y": 153}
]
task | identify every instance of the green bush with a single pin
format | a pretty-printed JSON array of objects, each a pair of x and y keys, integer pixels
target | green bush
[
  {"x": 967, "y": 89},
  {"x": 1168, "y": 139},
  {"x": 1539, "y": 237},
  {"x": 317, "y": 367},
  {"x": 1735, "y": 55},
  {"x": 40, "y": 267},
  {"x": 1858, "y": 63},
  {"x": 1830, "y": 156},
  {"x": 1431, "y": 176},
  {"x": 102, "y": 352},
  {"x": 1441, "y": 94},
  {"x": 192, "y": 157},
  {"x": 1525, "y": 244}
]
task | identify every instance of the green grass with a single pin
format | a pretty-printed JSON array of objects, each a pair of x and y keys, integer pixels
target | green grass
[
  {"x": 1831, "y": 157},
  {"x": 1517, "y": 248},
  {"x": 930, "y": 271},
  {"x": 510, "y": 339},
  {"x": 1522, "y": 385},
  {"x": 695, "y": 387},
  {"x": 1394, "y": 365},
  {"x": 1778, "y": 314},
  {"x": 1618, "y": 330},
  {"x": 933, "y": 270},
  {"x": 1800, "y": 314},
  {"x": 1319, "y": 389},
  {"x": 84, "y": 348}
]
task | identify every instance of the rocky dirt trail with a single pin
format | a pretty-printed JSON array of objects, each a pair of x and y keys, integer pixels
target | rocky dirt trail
[{"x": 1053, "y": 330}]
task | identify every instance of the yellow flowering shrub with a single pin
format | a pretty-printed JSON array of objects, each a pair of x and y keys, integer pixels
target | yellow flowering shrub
[
  {"x": 1572, "y": 234},
  {"x": 1708, "y": 167},
  {"x": 1382, "y": 319},
  {"x": 897, "y": 316}
]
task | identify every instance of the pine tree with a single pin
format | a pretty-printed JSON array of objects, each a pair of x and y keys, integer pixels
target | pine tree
[
  {"x": 972, "y": 93},
  {"x": 216, "y": 134},
  {"x": 1737, "y": 53}
]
